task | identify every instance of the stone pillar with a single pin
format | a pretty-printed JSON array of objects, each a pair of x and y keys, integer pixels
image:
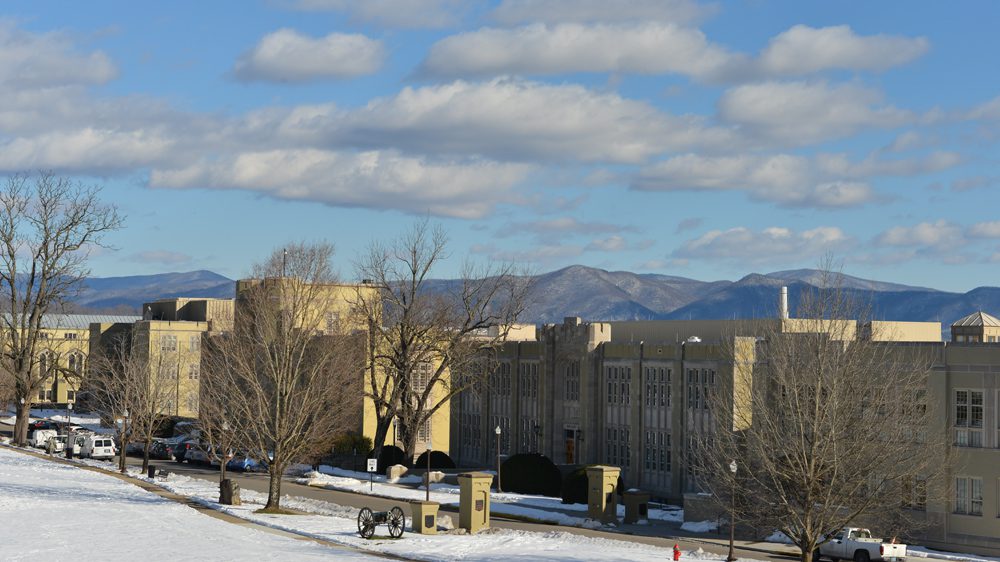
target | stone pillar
[
  {"x": 602, "y": 502},
  {"x": 229, "y": 492},
  {"x": 474, "y": 501},
  {"x": 636, "y": 506},
  {"x": 424, "y": 517}
]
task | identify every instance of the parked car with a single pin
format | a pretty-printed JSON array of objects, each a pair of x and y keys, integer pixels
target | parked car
[
  {"x": 97, "y": 447},
  {"x": 42, "y": 424},
  {"x": 58, "y": 443},
  {"x": 40, "y": 437},
  {"x": 242, "y": 462},
  {"x": 161, "y": 450},
  {"x": 854, "y": 543},
  {"x": 180, "y": 447}
]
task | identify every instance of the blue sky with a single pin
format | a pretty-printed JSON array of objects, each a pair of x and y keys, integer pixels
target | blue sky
[{"x": 706, "y": 140}]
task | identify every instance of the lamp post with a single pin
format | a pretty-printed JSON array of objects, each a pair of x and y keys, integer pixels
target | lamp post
[
  {"x": 225, "y": 450},
  {"x": 497, "y": 431},
  {"x": 732, "y": 514},
  {"x": 428, "y": 469},
  {"x": 69, "y": 414},
  {"x": 124, "y": 440}
]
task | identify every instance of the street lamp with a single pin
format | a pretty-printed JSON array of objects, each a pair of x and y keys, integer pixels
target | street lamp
[
  {"x": 428, "y": 468},
  {"x": 499, "y": 489},
  {"x": 69, "y": 414},
  {"x": 732, "y": 514},
  {"x": 225, "y": 450}
]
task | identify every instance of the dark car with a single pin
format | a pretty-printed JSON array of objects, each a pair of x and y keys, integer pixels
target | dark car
[{"x": 180, "y": 447}]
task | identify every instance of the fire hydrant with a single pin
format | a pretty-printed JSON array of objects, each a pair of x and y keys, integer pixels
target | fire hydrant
[{"x": 677, "y": 552}]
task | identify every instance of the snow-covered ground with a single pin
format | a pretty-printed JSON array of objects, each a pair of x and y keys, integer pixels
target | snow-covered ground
[
  {"x": 52, "y": 511},
  {"x": 87, "y": 420},
  {"x": 538, "y": 508}
]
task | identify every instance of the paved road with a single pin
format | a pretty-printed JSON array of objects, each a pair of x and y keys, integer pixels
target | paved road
[{"x": 660, "y": 535}]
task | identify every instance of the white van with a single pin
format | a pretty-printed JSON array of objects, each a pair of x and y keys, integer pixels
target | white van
[
  {"x": 97, "y": 447},
  {"x": 40, "y": 437}
]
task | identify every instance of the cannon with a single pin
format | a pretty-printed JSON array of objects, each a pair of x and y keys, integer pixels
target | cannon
[{"x": 368, "y": 519}]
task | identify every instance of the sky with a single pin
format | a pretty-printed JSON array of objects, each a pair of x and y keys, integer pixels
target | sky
[{"x": 705, "y": 140}]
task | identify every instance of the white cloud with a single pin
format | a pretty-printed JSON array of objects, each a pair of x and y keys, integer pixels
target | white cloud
[
  {"x": 767, "y": 246},
  {"x": 599, "y": 11},
  {"x": 840, "y": 165},
  {"x": 43, "y": 60},
  {"x": 88, "y": 150},
  {"x": 288, "y": 56},
  {"x": 650, "y": 48},
  {"x": 990, "y": 229},
  {"x": 804, "y": 50},
  {"x": 513, "y": 119},
  {"x": 395, "y": 13},
  {"x": 939, "y": 235},
  {"x": 377, "y": 180},
  {"x": 610, "y": 244},
  {"x": 987, "y": 111},
  {"x": 784, "y": 179},
  {"x": 798, "y": 113}
]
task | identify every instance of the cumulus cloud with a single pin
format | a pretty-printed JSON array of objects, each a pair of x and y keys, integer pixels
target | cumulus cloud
[
  {"x": 799, "y": 113},
  {"x": 767, "y": 246},
  {"x": 804, "y": 50},
  {"x": 688, "y": 224},
  {"x": 288, "y": 56},
  {"x": 394, "y": 13},
  {"x": 939, "y": 235},
  {"x": 42, "y": 60},
  {"x": 373, "y": 179},
  {"x": 990, "y": 229},
  {"x": 507, "y": 119},
  {"x": 784, "y": 179},
  {"x": 650, "y": 48},
  {"x": 600, "y": 11},
  {"x": 610, "y": 244}
]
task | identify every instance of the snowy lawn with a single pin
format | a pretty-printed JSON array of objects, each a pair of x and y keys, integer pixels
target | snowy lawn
[
  {"x": 538, "y": 508},
  {"x": 53, "y": 511},
  {"x": 338, "y": 524}
]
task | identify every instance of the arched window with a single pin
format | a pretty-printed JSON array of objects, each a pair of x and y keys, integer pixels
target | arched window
[{"x": 75, "y": 363}]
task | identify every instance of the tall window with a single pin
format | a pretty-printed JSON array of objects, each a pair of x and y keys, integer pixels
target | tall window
[
  {"x": 969, "y": 495},
  {"x": 968, "y": 418},
  {"x": 168, "y": 343},
  {"x": 194, "y": 370},
  {"x": 194, "y": 343}
]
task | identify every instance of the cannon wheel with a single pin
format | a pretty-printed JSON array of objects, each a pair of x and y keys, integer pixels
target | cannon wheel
[
  {"x": 366, "y": 523},
  {"x": 396, "y": 522}
]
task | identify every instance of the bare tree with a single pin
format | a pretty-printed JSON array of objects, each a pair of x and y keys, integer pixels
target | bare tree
[
  {"x": 285, "y": 374},
  {"x": 126, "y": 383},
  {"x": 828, "y": 426},
  {"x": 426, "y": 342},
  {"x": 47, "y": 226}
]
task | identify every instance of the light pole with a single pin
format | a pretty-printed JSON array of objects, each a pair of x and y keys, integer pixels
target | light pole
[
  {"x": 732, "y": 514},
  {"x": 428, "y": 469},
  {"x": 124, "y": 440},
  {"x": 497, "y": 430},
  {"x": 225, "y": 450},
  {"x": 69, "y": 414}
]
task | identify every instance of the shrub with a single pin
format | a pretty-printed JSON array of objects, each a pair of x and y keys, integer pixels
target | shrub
[
  {"x": 531, "y": 473},
  {"x": 390, "y": 455},
  {"x": 347, "y": 443},
  {"x": 439, "y": 460},
  {"x": 574, "y": 487}
]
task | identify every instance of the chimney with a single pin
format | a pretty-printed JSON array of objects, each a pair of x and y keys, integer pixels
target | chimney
[{"x": 783, "y": 304}]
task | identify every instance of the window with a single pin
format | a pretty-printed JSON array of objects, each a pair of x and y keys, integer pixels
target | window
[
  {"x": 194, "y": 343},
  {"x": 70, "y": 395},
  {"x": 70, "y": 335},
  {"x": 969, "y": 496},
  {"x": 193, "y": 371},
  {"x": 168, "y": 343},
  {"x": 968, "y": 418}
]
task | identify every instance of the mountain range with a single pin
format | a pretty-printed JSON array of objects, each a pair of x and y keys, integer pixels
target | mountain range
[{"x": 596, "y": 294}]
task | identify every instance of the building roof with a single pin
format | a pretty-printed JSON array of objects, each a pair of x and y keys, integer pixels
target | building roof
[
  {"x": 83, "y": 321},
  {"x": 978, "y": 318}
]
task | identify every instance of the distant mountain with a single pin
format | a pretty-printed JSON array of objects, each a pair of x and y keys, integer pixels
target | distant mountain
[
  {"x": 128, "y": 293},
  {"x": 596, "y": 294}
]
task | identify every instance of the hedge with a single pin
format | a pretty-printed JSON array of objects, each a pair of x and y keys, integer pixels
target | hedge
[
  {"x": 574, "y": 487},
  {"x": 531, "y": 473}
]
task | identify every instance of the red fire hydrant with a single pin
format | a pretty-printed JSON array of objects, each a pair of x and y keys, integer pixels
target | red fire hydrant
[{"x": 677, "y": 552}]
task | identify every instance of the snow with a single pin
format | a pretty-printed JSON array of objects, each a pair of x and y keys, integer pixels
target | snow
[
  {"x": 53, "y": 511},
  {"x": 536, "y": 508},
  {"x": 779, "y": 537},
  {"x": 921, "y": 552}
]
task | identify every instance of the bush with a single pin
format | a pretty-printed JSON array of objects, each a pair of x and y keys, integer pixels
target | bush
[
  {"x": 390, "y": 455},
  {"x": 439, "y": 460},
  {"x": 574, "y": 487},
  {"x": 531, "y": 473},
  {"x": 347, "y": 443}
]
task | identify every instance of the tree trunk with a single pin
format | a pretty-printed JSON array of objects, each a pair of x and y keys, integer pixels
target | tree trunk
[
  {"x": 21, "y": 424},
  {"x": 381, "y": 431},
  {"x": 274, "y": 488},
  {"x": 145, "y": 457}
]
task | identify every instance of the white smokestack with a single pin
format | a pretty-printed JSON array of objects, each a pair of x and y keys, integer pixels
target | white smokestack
[{"x": 783, "y": 304}]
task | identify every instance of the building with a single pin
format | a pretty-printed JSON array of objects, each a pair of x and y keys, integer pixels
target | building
[{"x": 633, "y": 395}]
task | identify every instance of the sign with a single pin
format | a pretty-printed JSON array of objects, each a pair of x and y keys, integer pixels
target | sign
[{"x": 372, "y": 465}]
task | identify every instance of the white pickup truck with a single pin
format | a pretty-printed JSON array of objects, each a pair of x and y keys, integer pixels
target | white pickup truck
[{"x": 854, "y": 543}]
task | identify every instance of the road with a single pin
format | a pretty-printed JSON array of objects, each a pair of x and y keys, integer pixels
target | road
[{"x": 657, "y": 535}]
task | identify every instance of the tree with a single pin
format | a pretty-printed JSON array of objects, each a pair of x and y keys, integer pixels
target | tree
[
  {"x": 285, "y": 374},
  {"x": 427, "y": 345},
  {"x": 827, "y": 425},
  {"x": 126, "y": 383},
  {"x": 48, "y": 225}
]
